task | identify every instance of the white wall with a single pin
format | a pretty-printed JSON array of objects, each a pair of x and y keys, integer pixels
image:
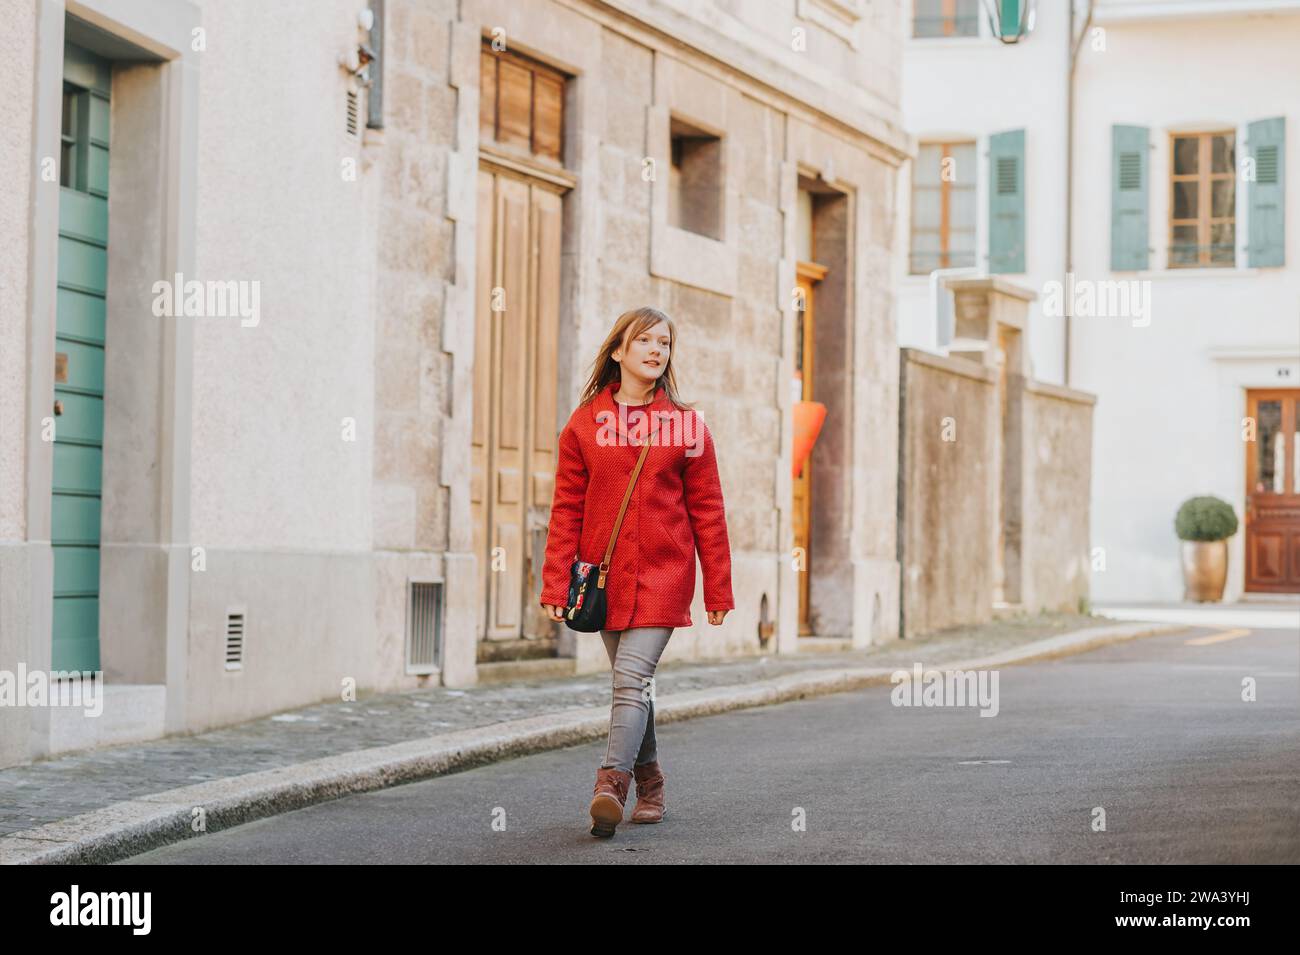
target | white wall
[
  {"x": 18, "y": 47},
  {"x": 1172, "y": 394},
  {"x": 968, "y": 88},
  {"x": 270, "y": 467}
]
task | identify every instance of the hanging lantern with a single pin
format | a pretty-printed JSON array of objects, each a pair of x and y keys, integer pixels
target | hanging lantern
[
  {"x": 1011, "y": 20},
  {"x": 808, "y": 419}
]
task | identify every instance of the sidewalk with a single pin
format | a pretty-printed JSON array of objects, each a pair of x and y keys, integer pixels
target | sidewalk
[
  {"x": 108, "y": 804},
  {"x": 1255, "y": 611}
]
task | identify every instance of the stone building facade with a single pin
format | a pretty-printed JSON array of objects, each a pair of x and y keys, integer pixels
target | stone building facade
[{"x": 332, "y": 468}]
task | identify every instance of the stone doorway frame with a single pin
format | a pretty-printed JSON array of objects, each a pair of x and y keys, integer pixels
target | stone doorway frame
[{"x": 147, "y": 643}]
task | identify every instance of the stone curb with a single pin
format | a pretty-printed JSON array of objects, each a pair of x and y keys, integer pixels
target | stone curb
[{"x": 138, "y": 825}]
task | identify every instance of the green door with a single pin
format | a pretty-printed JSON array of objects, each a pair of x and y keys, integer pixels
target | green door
[{"x": 79, "y": 360}]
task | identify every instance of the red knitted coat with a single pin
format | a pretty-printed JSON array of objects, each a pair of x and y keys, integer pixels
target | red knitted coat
[{"x": 675, "y": 510}]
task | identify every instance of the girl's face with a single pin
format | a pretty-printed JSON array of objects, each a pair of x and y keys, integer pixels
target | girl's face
[{"x": 646, "y": 355}]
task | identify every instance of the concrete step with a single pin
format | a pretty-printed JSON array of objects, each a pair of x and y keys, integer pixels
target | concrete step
[
  {"x": 107, "y": 715},
  {"x": 815, "y": 644},
  {"x": 511, "y": 671}
]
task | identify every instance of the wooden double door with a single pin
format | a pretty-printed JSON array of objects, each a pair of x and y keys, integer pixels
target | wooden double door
[
  {"x": 514, "y": 420},
  {"x": 1273, "y": 491}
]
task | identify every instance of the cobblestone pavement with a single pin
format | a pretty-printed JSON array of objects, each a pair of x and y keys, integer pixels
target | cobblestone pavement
[{"x": 57, "y": 788}]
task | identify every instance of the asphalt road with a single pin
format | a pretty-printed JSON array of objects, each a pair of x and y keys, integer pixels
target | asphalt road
[{"x": 1153, "y": 731}]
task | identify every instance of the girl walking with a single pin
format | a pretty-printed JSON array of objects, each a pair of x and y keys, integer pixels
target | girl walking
[{"x": 675, "y": 509}]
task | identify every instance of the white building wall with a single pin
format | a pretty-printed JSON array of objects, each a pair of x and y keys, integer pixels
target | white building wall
[
  {"x": 17, "y": 193},
  {"x": 273, "y": 467},
  {"x": 18, "y": 45},
  {"x": 971, "y": 87},
  {"x": 1172, "y": 393}
]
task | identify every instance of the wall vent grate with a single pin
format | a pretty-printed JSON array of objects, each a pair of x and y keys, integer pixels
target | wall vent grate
[
  {"x": 235, "y": 633},
  {"x": 424, "y": 627},
  {"x": 353, "y": 113}
]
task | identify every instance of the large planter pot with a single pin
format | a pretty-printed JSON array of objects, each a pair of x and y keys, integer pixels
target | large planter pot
[{"x": 1205, "y": 569}]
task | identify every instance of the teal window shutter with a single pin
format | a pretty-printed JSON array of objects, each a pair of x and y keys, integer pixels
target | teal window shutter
[
  {"x": 1129, "y": 176},
  {"x": 1007, "y": 201},
  {"x": 1010, "y": 17},
  {"x": 1265, "y": 193}
]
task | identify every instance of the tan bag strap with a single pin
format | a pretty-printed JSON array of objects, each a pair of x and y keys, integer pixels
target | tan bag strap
[{"x": 627, "y": 496}]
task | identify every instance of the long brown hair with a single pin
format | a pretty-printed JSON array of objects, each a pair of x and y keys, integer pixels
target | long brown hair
[{"x": 629, "y": 325}]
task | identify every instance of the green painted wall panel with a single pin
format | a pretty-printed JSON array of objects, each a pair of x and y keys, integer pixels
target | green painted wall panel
[
  {"x": 76, "y": 570},
  {"x": 85, "y": 367},
  {"x": 82, "y": 265},
  {"x": 83, "y": 216},
  {"x": 74, "y": 519},
  {"x": 82, "y": 419},
  {"x": 81, "y": 314},
  {"x": 99, "y": 118},
  {"x": 76, "y": 633},
  {"x": 76, "y": 505},
  {"x": 77, "y": 467},
  {"x": 97, "y": 170}
]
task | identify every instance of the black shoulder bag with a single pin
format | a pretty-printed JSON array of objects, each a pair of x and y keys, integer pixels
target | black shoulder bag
[{"x": 585, "y": 610}]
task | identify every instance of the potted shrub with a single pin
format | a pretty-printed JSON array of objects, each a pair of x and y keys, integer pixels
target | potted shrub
[{"x": 1204, "y": 525}]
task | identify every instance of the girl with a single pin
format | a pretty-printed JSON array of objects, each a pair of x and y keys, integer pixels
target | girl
[{"x": 676, "y": 508}]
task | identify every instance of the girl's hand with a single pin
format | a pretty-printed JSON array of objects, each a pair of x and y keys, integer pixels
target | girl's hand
[
  {"x": 716, "y": 616},
  {"x": 555, "y": 613}
]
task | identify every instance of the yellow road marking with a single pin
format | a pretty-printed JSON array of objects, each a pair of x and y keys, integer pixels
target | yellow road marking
[{"x": 1216, "y": 638}]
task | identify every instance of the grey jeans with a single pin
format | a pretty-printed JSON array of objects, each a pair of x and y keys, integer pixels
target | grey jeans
[{"x": 633, "y": 655}]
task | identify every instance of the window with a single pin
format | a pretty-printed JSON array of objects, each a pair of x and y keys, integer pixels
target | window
[
  {"x": 74, "y": 138},
  {"x": 521, "y": 104},
  {"x": 933, "y": 18},
  {"x": 1202, "y": 206},
  {"x": 943, "y": 207},
  {"x": 695, "y": 180}
]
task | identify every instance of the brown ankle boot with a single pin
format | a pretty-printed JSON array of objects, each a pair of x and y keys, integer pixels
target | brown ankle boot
[
  {"x": 649, "y": 793},
  {"x": 608, "y": 798}
]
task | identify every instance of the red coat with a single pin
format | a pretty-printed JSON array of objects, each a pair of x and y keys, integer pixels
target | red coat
[{"x": 676, "y": 510}]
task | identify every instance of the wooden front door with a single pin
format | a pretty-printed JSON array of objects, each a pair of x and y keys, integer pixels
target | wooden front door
[
  {"x": 514, "y": 418},
  {"x": 807, "y": 275},
  {"x": 79, "y": 326},
  {"x": 1273, "y": 491}
]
